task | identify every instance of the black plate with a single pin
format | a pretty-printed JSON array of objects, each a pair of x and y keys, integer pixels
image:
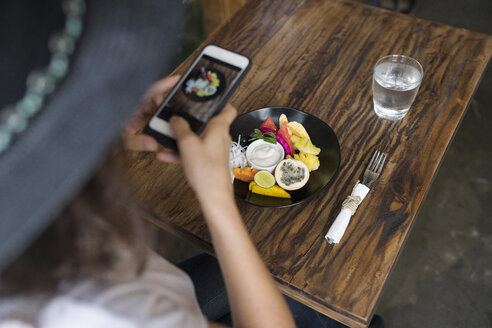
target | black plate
[{"x": 321, "y": 135}]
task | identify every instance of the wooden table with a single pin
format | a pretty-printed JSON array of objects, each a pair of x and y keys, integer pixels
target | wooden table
[{"x": 318, "y": 56}]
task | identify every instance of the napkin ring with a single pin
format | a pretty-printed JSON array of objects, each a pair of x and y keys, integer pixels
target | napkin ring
[{"x": 351, "y": 203}]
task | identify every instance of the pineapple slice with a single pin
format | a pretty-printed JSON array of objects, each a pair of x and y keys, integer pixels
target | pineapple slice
[
  {"x": 311, "y": 161},
  {"x": 295, "y": 139},
  {"x": 304, "y": 145}
]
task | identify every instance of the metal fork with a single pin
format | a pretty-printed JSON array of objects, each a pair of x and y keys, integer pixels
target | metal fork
[
  {"x": 374, "y": 168},
  {"x": 350, "y": 204}
]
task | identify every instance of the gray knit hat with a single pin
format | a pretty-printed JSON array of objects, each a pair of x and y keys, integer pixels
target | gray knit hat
[{"x": 123, "y": 46}]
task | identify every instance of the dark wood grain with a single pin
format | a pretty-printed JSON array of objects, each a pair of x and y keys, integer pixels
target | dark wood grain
[{"x": 318, "y": 56}]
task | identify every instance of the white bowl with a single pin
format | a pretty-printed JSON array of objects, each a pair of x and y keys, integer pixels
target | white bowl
[{"x": 277, "y": 147}]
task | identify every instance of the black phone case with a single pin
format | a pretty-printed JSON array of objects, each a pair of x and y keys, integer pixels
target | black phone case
[{"x": 170, "y": 142}]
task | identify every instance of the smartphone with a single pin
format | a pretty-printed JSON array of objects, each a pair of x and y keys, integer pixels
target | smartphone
[{"x": 200, "y": 93}]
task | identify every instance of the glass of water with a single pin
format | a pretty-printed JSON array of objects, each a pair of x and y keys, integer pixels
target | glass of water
[{"x": 395, "y": 84}]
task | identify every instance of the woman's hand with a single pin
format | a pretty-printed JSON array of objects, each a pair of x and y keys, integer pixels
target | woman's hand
[
  {"x": 205, "y": 158},
  {"x": 132, "y": 139}
]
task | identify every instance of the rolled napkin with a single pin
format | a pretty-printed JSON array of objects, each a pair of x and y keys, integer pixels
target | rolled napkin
[{"x": 349, "y": 206}]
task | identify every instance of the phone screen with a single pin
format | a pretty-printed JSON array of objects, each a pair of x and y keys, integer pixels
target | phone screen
[{"x": 201, "y": 92}]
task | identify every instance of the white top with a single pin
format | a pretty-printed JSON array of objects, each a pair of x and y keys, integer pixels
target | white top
[{"x": 162, "y": 296}]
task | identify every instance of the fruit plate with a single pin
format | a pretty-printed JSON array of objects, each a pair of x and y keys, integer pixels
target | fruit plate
[{"x": 321, "y": 135}]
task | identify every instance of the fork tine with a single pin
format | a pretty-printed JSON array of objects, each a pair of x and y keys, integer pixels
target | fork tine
[
  {"x": 382, "y": 164},
  {"x": 372, "y": 159},
  {"x": 377, "y": 161}
]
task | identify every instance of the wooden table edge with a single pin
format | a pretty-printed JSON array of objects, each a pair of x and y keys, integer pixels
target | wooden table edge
[{"x": 339, "y": 315}]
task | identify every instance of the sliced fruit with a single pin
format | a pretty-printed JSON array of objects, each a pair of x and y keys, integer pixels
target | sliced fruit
[
  {"x": 311, "y": 161},
  {"x": 245, "y": 174},
  {"x": 264, "y": 179},
  {"x": 304, "y": 145},
  {"x": 284, "y": 144},
  {"x": 291, "y": 174},
  {"x": 295, "y": 138},
  {"x": 283, "y": 119},
  {"x": 274, "y": 191},
  {"x": 296, "y": 128},
  {"x": 268, "y": 125},
  {"x": 283, "y": 132}
]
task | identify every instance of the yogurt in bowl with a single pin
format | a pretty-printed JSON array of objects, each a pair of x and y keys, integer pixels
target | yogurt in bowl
[{"x": 263, "y": 155}]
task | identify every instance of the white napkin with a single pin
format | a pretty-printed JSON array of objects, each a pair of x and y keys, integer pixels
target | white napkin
[{"x": 349, "y": 207}]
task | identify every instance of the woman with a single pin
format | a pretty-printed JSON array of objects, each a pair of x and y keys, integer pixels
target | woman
[{"x": 253, "y": 296}]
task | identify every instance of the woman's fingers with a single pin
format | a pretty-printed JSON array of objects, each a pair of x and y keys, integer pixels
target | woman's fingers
[
  {"x": 168, "y": 157},
  {"x": 141, "y": 142},
  {"x": 139, "y": 119},
  {"x": 181, "y": 128},
  {"x": 131, "y": 139},
  {"x": 228, "y": 114},
  {"x": 221, "y": 122},
  {"x": 159, "y": 87}
]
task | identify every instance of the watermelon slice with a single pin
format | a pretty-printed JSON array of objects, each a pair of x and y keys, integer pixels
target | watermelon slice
[
  {"x": 284, "y": 134},
  {"x": 268, "y": 125}
]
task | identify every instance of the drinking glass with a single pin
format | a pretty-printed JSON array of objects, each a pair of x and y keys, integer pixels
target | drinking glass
[{"x": 396, "y": 81}]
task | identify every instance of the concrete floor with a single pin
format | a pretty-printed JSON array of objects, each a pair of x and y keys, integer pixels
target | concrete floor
[{"x": 444, "y": 275}]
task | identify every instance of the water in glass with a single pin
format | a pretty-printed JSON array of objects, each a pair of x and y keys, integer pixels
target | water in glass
[{"x": 395, "y": 86}]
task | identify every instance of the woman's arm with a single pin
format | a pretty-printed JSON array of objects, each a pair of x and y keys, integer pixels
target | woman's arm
[{"x": 254, "y": 298}]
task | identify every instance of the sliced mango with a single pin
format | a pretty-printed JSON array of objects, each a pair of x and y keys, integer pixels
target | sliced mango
[
  {"x": 245, "y": 174},
  {"x": 274, "y": 191}
]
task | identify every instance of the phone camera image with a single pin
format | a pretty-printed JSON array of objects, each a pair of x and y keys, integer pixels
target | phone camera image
[
  {"x": 204, "y": 83},
  {"x": 202, "y": 91}
]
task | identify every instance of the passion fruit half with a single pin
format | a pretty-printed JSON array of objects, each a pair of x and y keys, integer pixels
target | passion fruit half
[{"x": 291, "y": 174}]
